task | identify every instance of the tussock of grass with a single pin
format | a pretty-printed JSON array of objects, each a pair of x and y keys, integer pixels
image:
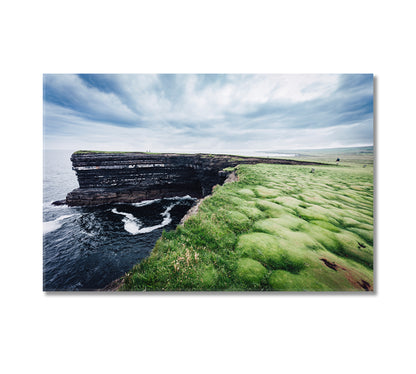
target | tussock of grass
[
  {"x": 323, "y": 236},
  {"x": 209, "y": 277},
  {"x": 265, "y": 249},
  {"x": 250, "y": 272},
  {"x": 246, "y": 192},
  {"x": 236, "y": 221},
  {"x": 367, "y": 235},
  {"x": 269, "y": 208},
  {"x": 310, "y": 214},
  {"x": 347, "y": 222},
  {"x": 281, "y": 280},
  {"x": 326, "y": 225},
  {"x": 349, "y": 247},
  {"x": 279, "y": 227},
  {"x": 251, "y": 211},
  {"x": 298, "y": 240},
  {"x": 288, "y": 201},
  {"x": 265, "y": 192}
]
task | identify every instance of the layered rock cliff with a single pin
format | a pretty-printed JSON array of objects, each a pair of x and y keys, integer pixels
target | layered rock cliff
[{"x": 110, "y": 177}]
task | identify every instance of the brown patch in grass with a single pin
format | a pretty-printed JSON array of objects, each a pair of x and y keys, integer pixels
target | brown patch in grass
[
  {"x": 331, "y": 265},
  {"x": 365, "y": 285},
  {"x": 352, "y": 276}
]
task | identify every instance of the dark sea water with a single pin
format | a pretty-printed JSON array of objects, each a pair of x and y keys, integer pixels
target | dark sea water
[{"x": 87, "y": 248}]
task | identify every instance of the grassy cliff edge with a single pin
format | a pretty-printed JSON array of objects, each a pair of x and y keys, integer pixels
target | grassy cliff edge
[{"x": 279, "y": 227}]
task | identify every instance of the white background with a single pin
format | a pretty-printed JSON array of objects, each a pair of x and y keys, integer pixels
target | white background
[{"x": 184, "y": 333}]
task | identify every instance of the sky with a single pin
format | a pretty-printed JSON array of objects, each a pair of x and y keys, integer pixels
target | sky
[{"x": 210, "y": 113}]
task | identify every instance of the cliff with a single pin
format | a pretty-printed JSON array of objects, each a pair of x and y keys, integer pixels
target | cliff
[{"x": 110, "y": 177}]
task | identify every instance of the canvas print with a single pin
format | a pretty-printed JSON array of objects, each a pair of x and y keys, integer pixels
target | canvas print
[{"x": 208, "y": 182}]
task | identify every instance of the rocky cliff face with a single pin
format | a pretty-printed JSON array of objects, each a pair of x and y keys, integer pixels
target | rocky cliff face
[{"x": 106, "y": 178}]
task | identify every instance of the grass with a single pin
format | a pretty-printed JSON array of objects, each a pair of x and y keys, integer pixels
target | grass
[
  {"x": 279, "y": 227},
  {"x": 86, "y": 151},
  {"x": 360, "y": 155}
]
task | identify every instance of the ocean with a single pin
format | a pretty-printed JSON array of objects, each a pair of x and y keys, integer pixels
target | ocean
[{"x": 86, "y": 248}]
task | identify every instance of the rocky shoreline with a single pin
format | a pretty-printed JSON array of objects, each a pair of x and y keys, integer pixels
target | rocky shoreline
[
  {"x": 116, "y": 284},
  {"x": 129, "y": 177}
]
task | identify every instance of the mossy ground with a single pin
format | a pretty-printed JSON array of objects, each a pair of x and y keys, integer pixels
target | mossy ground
[{"x": 279, "y": 227}]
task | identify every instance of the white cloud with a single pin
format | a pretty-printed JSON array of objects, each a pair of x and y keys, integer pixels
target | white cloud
[
  {"x": 88, "y": 100},
  {"x": 196, "y": 114},
  {"x": 214, "y": 101}
]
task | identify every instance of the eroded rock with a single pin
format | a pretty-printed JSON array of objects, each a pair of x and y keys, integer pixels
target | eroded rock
[{"x": 106, "y": 178}]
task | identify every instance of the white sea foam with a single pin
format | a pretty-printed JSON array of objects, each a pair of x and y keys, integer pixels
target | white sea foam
[
  {"x": 131, "y": 223},
  {"x": 50, "y": 226},
  {"x": 131, "y": 226},
  {"x": 145, "y": 202},
  {"x": 186, "y": 197},
  {"x": 148, "y": 202},
  {"x": 166, "y": 220},
  {"x": 134, "y": 226}
]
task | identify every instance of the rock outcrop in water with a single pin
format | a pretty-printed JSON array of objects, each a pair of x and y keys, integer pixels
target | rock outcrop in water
[{"x": 110, "y": 177}]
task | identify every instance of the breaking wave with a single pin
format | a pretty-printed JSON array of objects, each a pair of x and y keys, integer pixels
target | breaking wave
[
  {"x": 131, "y": 223},
  {"x": 50, "y": 226},
  {"x": 149, "y": 202},
  {"x": 180, "y": 198},
  {"x": 145, "y": 202},
  {"x": 134, "y": 226},
  {"x": 166, "y": 220}
]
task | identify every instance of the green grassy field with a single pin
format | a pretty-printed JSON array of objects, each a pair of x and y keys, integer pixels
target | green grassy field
[
  {"x": 279, "y": 227},
  {"x": 356, "y": 155}
]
